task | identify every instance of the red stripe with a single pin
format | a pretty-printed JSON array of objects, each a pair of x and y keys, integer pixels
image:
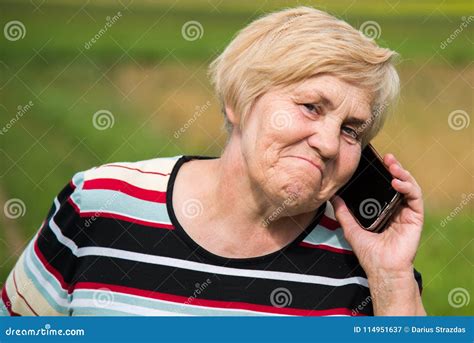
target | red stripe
[
  {"x": 73, "y": 204},
  {"x": 21, "y": 296},
  {"x": 136, "y": 169},
  {"x": 127, "y": 219},
  {"x": 7, "y": 302},
  {"x": 50, "y": 268},
  {"x": 126, "y": 188},
  {"x": 326, "y": 247},
  {"x": 214, "y": 303},
  {"x": 329, "y": 223},
  {"x": 73, "y": 186}
]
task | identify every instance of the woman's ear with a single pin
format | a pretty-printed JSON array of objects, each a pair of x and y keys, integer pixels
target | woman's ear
[{"x": 231, "y": 116}]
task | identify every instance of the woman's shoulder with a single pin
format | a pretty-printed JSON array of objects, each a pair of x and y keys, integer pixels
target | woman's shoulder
[
  {"x": 125, "y": 172},
  {"x": 132, "y": 170},
  {"x": 132, "y": 191}
]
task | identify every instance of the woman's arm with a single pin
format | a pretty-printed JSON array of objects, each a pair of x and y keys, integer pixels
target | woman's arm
[
  {"x": 39, "y": 282},
  {"x": 395, "y": 295},
  {"x": 388, "y": 257}
]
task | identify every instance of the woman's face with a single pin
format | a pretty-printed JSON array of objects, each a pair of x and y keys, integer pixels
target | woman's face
[{"x": 300, "y": 143}]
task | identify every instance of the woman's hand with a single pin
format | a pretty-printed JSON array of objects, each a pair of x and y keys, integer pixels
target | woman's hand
[{"x": 387, "y": 257}]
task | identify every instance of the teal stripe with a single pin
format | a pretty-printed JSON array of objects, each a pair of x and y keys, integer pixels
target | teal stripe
[
  {"x": 163, "y": 306},
  {"x": 3, "y": 310},
  {"x": 321, "y": 235},
  {"x": 96, "y": 311},
  {"x": 98, "y": 200},
  {"x": 31, "y": 258}
]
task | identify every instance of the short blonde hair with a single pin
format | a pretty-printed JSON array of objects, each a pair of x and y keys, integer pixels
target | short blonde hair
[{"x": 292, "y": 45}]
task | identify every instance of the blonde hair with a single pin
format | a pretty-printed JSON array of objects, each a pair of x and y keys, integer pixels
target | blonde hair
[{"x": 292, "y": 45}]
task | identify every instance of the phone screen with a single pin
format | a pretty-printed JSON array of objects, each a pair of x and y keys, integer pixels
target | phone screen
[{"x": 369, "y": 191}]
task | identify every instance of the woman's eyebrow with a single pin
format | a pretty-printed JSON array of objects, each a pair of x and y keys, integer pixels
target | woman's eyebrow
[{"x": 356, "y": 121}]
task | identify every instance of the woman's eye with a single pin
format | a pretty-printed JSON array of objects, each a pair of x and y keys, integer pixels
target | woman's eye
[
  {"x": 313, "y": 108},
  {"x": 353, "y": 133}
]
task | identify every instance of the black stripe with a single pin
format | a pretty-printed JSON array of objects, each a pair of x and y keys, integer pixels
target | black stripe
[
  {"x": 116, "y": 234},
  {"x": 182, "y": 282}
]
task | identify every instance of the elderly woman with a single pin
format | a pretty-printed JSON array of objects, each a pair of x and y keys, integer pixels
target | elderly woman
[{"x": 257, "y": 230}]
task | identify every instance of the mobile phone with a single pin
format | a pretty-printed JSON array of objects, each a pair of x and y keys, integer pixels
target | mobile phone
[{"x": 369, "y": 194}]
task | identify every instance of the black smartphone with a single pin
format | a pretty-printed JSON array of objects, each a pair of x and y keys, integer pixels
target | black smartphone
[{"x": 369, "y": 194}]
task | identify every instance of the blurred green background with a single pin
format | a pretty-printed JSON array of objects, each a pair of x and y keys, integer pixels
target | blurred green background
[{"x": 152, "y": 80}]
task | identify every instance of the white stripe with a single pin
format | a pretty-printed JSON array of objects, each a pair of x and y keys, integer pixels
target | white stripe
[
  {"x": 202, "y": 267},
  {"x": 333, "y": 238},
  {"x": 196, "y": 266},
  {"x": 329, "y": 212}
]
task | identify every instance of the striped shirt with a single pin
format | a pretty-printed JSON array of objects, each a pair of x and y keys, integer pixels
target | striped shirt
[{"x": 111, "y": 245}]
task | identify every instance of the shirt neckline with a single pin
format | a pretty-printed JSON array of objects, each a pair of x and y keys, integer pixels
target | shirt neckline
[{"x": 198, "y": 249}]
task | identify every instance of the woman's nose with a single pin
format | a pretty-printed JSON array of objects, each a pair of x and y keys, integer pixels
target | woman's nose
[{"x": 325, "y": 140}]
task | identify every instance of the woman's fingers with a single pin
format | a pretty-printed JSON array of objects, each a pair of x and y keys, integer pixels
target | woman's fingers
[
  {"x": 349, "y": 225},
  {"x": 405, "y": 183}
]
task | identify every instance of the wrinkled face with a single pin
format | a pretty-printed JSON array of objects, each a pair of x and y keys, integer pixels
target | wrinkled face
[{"x": 303, "y": 142}]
